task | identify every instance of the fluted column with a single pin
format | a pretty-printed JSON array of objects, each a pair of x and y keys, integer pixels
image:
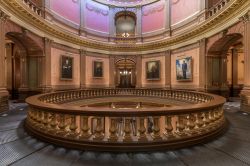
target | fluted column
[
  {"x": 83, "y": 68},
  {"x": 3, "y": 86},
  {"x": 245, "y": 94}
]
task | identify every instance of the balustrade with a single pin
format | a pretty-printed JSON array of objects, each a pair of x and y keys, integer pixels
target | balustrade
[{"x": 115, "y": 127}]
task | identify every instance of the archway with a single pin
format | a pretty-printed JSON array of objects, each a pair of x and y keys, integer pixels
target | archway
[
  {"x": 22, "y": 65},
  {"x": 225, "y": 66},
  {"x": 125, "y": 73}
]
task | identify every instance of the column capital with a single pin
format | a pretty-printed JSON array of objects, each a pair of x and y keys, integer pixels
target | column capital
[
  {"x": 47, "y": 40},
  {"x": 246, "y": 17},
  {"x": 3, "y": 16},
  {"x": 83, "y": 52}
]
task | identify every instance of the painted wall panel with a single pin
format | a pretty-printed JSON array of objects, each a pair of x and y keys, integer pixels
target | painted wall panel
[{"x": 69, "y": 9}]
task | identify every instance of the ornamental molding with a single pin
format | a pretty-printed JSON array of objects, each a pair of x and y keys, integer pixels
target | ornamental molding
[
  {"x": 152, "y": 10},
  {"x": 97, "y": 10},
  {"x": 20, "y": 11},
  {"x": 3, "y": 16},
  {"x": 245, "y": 18}
]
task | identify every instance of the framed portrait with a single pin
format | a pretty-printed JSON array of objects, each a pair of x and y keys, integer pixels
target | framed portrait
[
  {"x": 97, "y": 69},
  {"x": 66, "y": 68},
  {"x": 153, "y": 70},
  {"x": 184, "y": 69}
]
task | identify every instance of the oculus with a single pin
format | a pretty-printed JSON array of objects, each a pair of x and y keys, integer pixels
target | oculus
[
  {"x": 184, "y": 69},
  {"x": 153, "y": 70}
]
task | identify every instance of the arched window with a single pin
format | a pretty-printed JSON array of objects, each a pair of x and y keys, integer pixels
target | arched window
[{"x": 125, "y": 22}]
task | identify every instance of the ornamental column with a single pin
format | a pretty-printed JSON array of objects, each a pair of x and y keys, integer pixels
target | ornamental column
[
  {"x": 83, "y": 69},
  {"x": 245, "y": 93},
  {"x": 3, "y": 86},
  {"x": 168, "y": 69}
]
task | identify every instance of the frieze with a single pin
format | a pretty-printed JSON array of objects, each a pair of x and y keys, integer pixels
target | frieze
[
  {"x": 96, "y": 9},
  {"x": 152, "y": 10}
]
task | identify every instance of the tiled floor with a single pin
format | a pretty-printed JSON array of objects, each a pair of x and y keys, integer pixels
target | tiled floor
[{"x": 17, "y": 148}]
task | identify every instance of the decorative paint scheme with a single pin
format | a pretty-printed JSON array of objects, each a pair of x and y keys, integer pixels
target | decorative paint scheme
[
  {"x": 182, "y": 9},
  {"x": 153, "y": 70},
  {"x": 153, "y": 17},
  {"x": 69, "y": 9},
  {"x": 97, "y": 69},
  {"x": 184, "y": 69},
  {"x": 95, "y": 11},
  {"x": 66, "y": 67}
]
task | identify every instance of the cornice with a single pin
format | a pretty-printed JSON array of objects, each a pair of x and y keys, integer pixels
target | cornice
[{"x": 19, "y": 10}]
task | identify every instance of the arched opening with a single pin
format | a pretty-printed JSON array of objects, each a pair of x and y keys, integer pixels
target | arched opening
[
  {"x": 22, "y": 65},
  {"x": 225, "y": 66},
  {"x": 125, "y": 22},
  {"x": 125, "y": 73}
]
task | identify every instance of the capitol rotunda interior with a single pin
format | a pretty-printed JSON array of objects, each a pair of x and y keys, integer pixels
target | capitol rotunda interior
[{"x": 124, "y": 82}]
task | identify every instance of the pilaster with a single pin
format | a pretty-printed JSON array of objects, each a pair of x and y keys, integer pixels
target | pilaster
[
  {"x": 112, "y": 30},
  {"x": 245, "y": 93},
  {"x": 139, "y": 22},
  {"x": 47, "y": 66},
  {"x": 111, "y": 71},
  {"x": 138, "y": 71},
  {"x": 83, "y": 69},
  {"x": 202, "y": 65},
  {"x": 168, "y": 69}
]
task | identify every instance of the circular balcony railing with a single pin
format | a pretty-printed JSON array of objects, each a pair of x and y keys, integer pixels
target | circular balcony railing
[{"x": 51, "y": 118}]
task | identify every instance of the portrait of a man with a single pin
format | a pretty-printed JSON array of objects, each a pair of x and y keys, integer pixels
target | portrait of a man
[
  {"x": 184, "y": 69},
  {"x": 153, "y": 70},
  {"x": 98, "y": 69},
  {"x": 66, "y": 67}
]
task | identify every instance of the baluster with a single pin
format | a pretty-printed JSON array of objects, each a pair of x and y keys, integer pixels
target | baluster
[
  {"x": 45, "y": 121},
  {"x": 39, "y": 119},
  {"x": 84, "y": 120},
  {"x": 73, "y": 127},
  {"x": 169, "y": 127},
  {"x": 156, "y": 129},
  {"x": 180, "y": 126},
  {"x": 99, "y": 129},
  {"x": 199, "y": 121},
  {"x": 113, "y": 130},
  {"x": 62, "y": 125},
  {"x": 191, "y": 124},
  {"x": 127, "y": 130},
  {"x": 142, "y": 129},
  {"x": 53, "y": 124}
]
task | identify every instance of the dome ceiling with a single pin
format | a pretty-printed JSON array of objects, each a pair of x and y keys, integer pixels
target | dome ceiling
[{"x": 125, "y": 3}]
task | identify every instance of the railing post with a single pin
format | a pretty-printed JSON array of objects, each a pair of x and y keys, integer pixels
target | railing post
[{"x": 113, "y": 130}]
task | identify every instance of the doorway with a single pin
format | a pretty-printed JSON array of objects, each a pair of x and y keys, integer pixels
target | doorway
[{"x": 125, "y": 77}]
